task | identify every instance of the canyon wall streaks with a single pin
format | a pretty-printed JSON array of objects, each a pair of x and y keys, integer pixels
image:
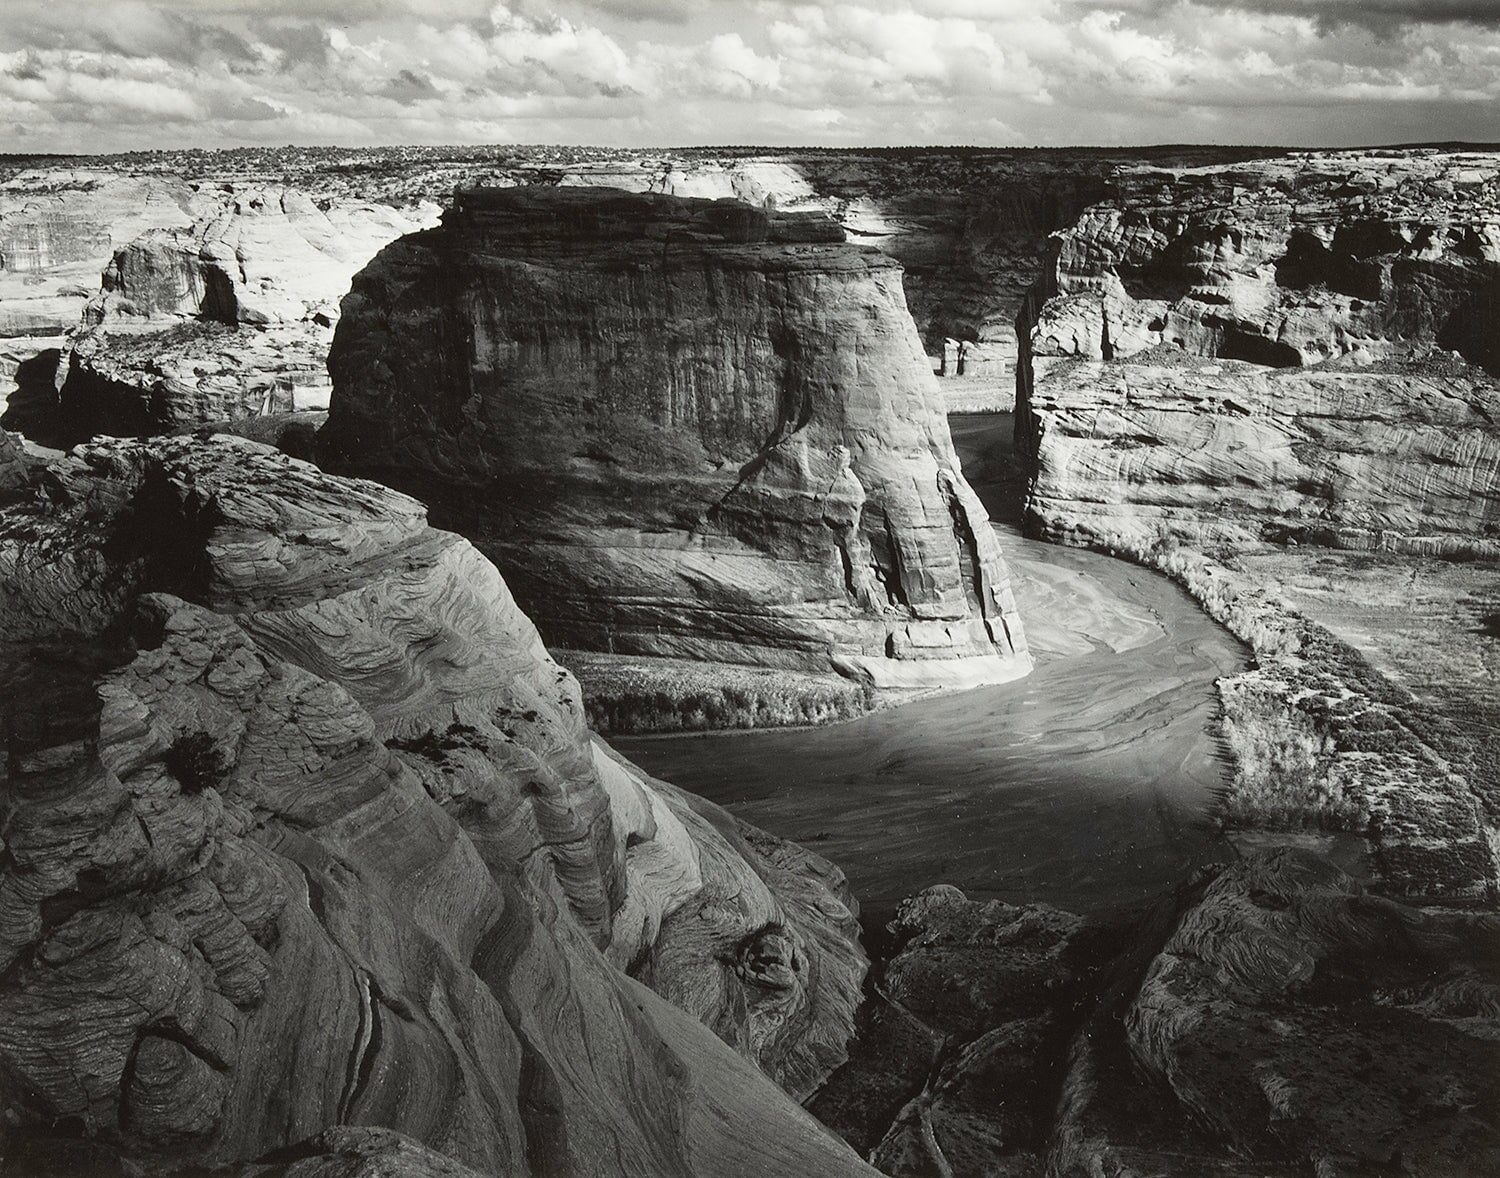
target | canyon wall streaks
[
  {"x": 1290, "y": 350},
  {"x": 682, "y": 428}
]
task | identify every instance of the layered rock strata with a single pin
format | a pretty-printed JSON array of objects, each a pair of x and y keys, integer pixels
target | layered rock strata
[
  {"x": 220, "y": 308},
  {"x": 1290, "y": 1022},
  {"x": 1290, "y": 350},
  {"x": 58, "y": 230},
  {"x": 304, "y": 829},
  {"x": 682, "y": 428}
]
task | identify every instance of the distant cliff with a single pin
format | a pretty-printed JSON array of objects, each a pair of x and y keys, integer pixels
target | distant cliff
[
  {"x": 1298, "y": 349},
  {"x": 683, "y": 428}
]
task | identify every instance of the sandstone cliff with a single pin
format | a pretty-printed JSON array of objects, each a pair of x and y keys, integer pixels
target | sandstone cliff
[
  {"x": 247, "y": 236},
  {"x": 216, "y": 301},
  {"x": 305, "y": 829},
  {"x": 58, "y": 229},
  {"x": 682, "y": 428},
  {"x": 1288, "y": 350}
]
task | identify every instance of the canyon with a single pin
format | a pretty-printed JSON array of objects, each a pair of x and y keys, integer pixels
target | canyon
[
  {"x": 1275, "y": 352},
  {"x": 1211, "y": 890}
]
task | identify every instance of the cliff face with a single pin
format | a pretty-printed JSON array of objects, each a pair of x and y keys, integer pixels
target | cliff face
[
  {"x": 305, "y": 829},
  {"x": 682, "y": 428},
  {"x": 221, "y": 307},
  {"x": 58, "y": 229},
  {"x": 213, "y": 234},
  {"x": 1293, "y": 349}
]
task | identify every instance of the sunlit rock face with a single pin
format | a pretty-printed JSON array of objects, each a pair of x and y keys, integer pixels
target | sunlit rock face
[
  {"x": 682, "y": 428},
  {"x": 1291, "y": 349},
  {"x": 58, "y": 230},
  {"x": 222, "y": 311},
  {"x": 305, "y": 829}
]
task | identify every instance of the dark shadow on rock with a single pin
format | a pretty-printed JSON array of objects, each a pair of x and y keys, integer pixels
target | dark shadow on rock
[{"x": 33, "y": 406}]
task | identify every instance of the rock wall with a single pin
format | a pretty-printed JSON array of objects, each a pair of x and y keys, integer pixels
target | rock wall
[
  {"x": 683, "y": 428},
  {"x": 304, "y": 829},
  {"x": 58, "y": 230},
  {"x": 247, "y": 235},
  {"x": 1288, "y": 350},
  {"x": 216, "y": 301}
]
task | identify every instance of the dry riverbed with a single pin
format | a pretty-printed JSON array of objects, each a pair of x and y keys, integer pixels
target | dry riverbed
[{"x": 1089, "y": 784}]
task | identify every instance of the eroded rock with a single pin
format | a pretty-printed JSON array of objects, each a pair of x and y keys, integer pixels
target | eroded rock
[
  {"x": 1288, "y": 350},
  {"x": 305, "y": 829},
  {"x": 683, "y": 428}
]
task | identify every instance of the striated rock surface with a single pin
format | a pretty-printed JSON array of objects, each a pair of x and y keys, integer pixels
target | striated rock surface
[
  {"x": 304, "y": 829},
  {"x": 1292, "y": 1023},
  {"x": 1347, "y": 304},
  {"x": 58, "y": 230},
  {"x": 1390, "y": 456},
  {"x": 252, "y": 256},
  {"x": 216, "y": 302},
  {"x": 682, "y": 428},
  {"x": 249, "y": 231}
]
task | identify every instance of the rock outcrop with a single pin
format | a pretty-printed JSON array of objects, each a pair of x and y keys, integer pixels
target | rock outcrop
[
  {"x": 1290, "y": 350},
  {"x": 221, "y": 308},
  {"x": 682, "y": 428},
  {"x": 58, "y": 229},
  {"x": 1292, "y": 1023},
  {"x": 304, "y": 829},
  {"x": 1270, "y": 1018}
]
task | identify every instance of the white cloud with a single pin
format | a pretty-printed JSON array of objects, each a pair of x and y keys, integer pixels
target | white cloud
[{"x": 115, "y": 74}]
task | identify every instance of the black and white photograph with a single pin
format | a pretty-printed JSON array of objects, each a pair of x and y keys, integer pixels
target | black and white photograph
[{"x": 749, "y": 588}]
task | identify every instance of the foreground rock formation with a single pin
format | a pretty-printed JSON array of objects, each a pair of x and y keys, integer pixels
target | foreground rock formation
[
  {"x": 1290, "y": 350},
  {"x": 1272, "y": 1018},
  {"x": 304, "y": 829},
  {"x": 682, "y": 428}
]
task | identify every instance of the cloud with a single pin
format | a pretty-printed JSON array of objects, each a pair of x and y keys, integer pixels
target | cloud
[
  {"x": 115, "y": 74},
  {"x": 407, "y": 87},
  {"x": 1380, "y": 15}
]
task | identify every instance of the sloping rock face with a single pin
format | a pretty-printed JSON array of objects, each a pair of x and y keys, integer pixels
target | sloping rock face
[
  {"x": 304, "y": 829},
  {"x": 1347, "y": 305},
  {"x": 682, "y": 428}
]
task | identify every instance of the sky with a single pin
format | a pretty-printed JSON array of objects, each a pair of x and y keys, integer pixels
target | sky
[{"x": 116, "y": 75}]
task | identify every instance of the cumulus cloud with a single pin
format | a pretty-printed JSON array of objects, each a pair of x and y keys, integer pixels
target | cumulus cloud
[{"x": 116, "y": 74}]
